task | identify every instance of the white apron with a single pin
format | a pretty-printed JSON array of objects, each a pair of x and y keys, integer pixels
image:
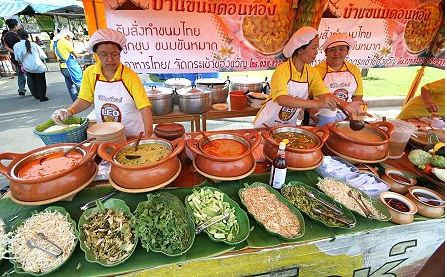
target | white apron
[
  {"x": 114, "y": 103},
  {"x": 343, "y": 85},
  {"x": 273, "y": 114}
]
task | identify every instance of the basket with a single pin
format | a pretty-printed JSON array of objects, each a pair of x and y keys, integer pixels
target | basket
[{"x": 73, "y": 134}]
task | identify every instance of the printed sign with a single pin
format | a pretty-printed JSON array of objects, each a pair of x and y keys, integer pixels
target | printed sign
[{"x": 238, "y": 35}]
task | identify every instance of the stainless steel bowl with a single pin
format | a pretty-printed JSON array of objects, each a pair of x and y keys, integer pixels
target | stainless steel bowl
[
  {"x": 218, "y": 88},
  {"x": 193, "y": 100},
  {"x": 161, "y": 100}
]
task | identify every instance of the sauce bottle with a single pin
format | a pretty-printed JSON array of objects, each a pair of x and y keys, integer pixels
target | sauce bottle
[{"x": 279, "y": 167}]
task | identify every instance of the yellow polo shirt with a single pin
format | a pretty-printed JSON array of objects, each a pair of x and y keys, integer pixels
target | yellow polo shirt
[
  {"x": 287, "y": 71},
  {"x": 65, "y": 48},
  {"x": 415, "y": 108},
  {"x": 129, "y": 78},
  {"x": 324, "y": 68}
]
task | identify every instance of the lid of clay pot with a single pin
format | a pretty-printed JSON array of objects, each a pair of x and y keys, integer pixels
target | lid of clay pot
[
  {"x": 177, "y": 83},
  {"x": 170, "y": 128}
]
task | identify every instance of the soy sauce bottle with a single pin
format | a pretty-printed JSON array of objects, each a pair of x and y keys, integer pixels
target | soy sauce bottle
[{"x": 279, "y": 167}]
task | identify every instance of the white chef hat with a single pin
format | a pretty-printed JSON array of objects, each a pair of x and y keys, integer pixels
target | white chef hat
[
  {"x": 337, "y": 40},
  {"x": 301, "y": 37},
  {"x": 106, "y": 35}
]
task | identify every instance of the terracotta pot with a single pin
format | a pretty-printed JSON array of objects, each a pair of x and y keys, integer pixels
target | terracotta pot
[
  {"x": 145, "y": 176},
  {"x": 50, "y": 186},
  {"x": 426, "y": 209},
  {"x": 169, "y": 131},
  {"x": 225, "y": 166},
  {"x": 297, "y": 158},
  {"x": 368, "y": 144}
]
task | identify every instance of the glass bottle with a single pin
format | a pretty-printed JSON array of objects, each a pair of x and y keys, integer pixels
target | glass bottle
[{"x": 279, "y": 167}]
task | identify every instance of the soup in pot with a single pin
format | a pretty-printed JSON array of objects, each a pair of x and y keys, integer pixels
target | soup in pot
[
  {"x": 366, "y": 134},
  {"x": 224, "y": 148},
  {"x": 296, "y": 140},
  {"x": 49, "y": 165},
  {"x": 146, "y": 154}
]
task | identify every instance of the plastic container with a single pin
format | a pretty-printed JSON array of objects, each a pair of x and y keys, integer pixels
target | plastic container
[
  {"x": 400, "y": 137},
  {"x": 238, "y": 100}
]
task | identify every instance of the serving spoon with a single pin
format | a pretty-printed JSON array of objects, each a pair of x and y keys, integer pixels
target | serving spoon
[
  {"x": 65, "y": 153},
  {"x": 354, "y": 124},
  {"x": 135, "y": 156},
  {"x": 205, "y": 136}
]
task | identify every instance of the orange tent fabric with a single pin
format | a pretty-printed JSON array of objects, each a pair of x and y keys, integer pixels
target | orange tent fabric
[{"x": 94, "y": 15}]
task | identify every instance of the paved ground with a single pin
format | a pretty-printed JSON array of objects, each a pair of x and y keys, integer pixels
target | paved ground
[{"x": 19, "y": 115}]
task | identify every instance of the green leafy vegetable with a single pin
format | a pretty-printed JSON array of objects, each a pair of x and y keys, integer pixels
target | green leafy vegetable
[
  {"x": 437, "y": 161},
  {"x": 419, "y": 157},
  {"x": 163, "y": 226}
]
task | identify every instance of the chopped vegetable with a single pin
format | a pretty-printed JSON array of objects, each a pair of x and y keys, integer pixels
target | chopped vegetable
[
  {"x": 208, "y": 205},
  {"x": 163, "y": 226},
  {"x": 109, "y": 235},
  {"x": 419, "y": 157},
  {"x": 439, "y": 172},
  {"x": 427, "y": 168},
  {"x": 437, "y": 161},
  {"x": 2, "y": 239}
]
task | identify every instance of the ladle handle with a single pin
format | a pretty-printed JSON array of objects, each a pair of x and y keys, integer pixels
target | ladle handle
[
  {"x": 344, "y": 111},
  {"x": 77, "y": 145},
  {"x": 140, "y": 135}
]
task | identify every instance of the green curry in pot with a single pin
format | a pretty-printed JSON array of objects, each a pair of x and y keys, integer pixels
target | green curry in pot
[
  {"x": 296, "y": 140},
  {"x": 146, "y": 154}
]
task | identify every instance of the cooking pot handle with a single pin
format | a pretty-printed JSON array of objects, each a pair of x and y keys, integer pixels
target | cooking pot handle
[
  {"x": 192, "y": 145},
  {"x": 388, "y": 126},
  {"x": 322, "y": 132},
  {"x": 179, "y": 144},
  {"x": 268, "y": 137},
  {"x": 105, "y": 150},
  {"x": 8, "y": 156},
  {"x": 90, "y": 149},
  {"x": 255, "y": 136}
]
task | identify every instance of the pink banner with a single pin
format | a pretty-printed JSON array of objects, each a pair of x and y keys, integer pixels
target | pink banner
[{"x": 181, "y": 36}]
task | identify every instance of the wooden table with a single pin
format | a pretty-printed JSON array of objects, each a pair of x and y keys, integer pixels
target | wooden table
[
  {"x": 368, "y": 251},
  {"x": 216, "y": 114}
]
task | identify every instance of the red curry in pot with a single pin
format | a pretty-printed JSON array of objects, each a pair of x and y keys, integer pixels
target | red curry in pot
[
  {"x": 49, "y": 165},
  {"x": 224, "y": 148}
]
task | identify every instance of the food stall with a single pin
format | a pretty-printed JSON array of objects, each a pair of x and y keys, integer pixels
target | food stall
[{"x": 360, "y": 228}]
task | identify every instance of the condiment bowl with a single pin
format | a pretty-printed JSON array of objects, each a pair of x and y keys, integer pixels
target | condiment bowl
[
  {"x": 425, "y": 208},
  {"x": 398, "y": 216},
  {"x": 396, "y": 180}
]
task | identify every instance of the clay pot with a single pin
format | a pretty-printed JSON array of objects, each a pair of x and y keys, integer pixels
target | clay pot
[
  {"x": 145, "y": 176},
  {"x": 225, "y": 166},
  {"x": 50, "y": 186},
  {"x": 169, "y": 131},
  {"x": 368, "y": 144},
  {"x": 297, "y": 158},
  {"x": 426, "y": 209}
]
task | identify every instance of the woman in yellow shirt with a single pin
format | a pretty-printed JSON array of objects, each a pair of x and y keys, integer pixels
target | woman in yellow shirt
[
  {"x": 115, "y": 90},
  {"x": 293, "y": 81},
  {"x": 430, "y": 102}
]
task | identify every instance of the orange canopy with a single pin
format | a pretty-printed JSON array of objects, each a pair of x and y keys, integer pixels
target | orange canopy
[{"x": 95, "y": 15}]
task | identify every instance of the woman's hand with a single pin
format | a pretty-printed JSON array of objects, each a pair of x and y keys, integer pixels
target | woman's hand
[
  {"x": 327, "y": 101},
  {"x": 356, "y": 108},
  {"x": 431, "y": 107},
  {"x": 61, "y": 115}
]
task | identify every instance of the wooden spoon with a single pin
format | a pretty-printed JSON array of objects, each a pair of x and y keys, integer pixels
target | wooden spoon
[
  {"x": 135, "y": 156},
  {"x": 205, "y": 136}
]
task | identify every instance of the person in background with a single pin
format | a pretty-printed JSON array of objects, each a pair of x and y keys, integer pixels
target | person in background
[
  {"x": 10, "y": 39},
  {"x": 343, "y": 78},
  {"x": 30, "y": 56},
  {"x": 293, "y": 81},
  {"x": 70, "y": 69},
  {"x": 38, "y": 41},
  {"x": 115, "y": 90},
  {"x": 4, "y": 32},
  {"x": 431, "y": 102}
]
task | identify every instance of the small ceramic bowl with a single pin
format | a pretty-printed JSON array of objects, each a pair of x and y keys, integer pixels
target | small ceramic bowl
[
  {"x": 392, "y": 200},
  {"x": 397, "y": 180},
  {"x": 427, "y": 208}
]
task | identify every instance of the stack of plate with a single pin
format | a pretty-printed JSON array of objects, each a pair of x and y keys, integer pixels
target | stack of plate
[{"x": 107, "y": 132}]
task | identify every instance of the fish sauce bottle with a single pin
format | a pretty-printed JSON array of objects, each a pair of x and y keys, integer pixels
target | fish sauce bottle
[{"x": 279, "y": 167}]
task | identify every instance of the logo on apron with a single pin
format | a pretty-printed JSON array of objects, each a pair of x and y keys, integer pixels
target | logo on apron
[
  {"x": 285, "y": 114},
  {"x": 342, "y": 94},
  {"x": 110, "y": 113}
]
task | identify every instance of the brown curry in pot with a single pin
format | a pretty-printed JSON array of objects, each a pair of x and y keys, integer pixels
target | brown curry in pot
[{"x": 296, "y": 140}]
